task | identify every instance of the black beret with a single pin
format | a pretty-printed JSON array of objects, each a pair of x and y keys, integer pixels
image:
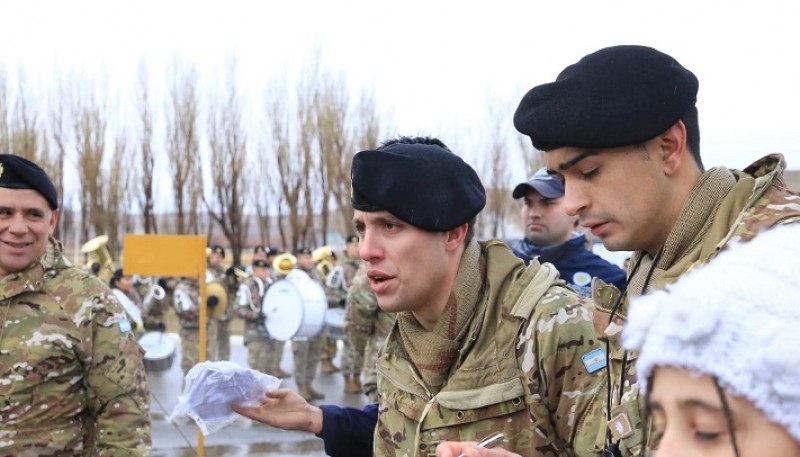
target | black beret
[
  {"x": 258, "y": 249},
  {"x": 614, "y": 97},
  {"x": 423, "y": 184},
  {"x": 218, "y": 249},
  {"x": 351, "y": 239},
  {"x": 260, "y": 263},
  {"x": 303, "y": 250},
  {"x": 20, "y": 173}
]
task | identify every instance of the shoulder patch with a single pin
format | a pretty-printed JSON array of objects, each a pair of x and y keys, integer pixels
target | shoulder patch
[
  {"x": 594, "y": 360},
  {"x": 581, "y": 278},
  {"x": 124, "y": 326}
]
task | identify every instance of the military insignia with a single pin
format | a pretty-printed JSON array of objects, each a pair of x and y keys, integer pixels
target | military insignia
[
  {"x": 620, "y": 426},
  {"x": 124, "y": 326},
  {"x": 581, "y": 278},
  {"x": 1, "y": 170},
  {"x": 594, "y": 360}
]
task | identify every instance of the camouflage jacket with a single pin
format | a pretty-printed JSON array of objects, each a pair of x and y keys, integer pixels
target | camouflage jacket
[
  {"x": 528, "y": 367},
  {"x": 364, "y": 320},
  {"x": 757, "y": 201},
  {"x": 247, "y": 306},
  {"x": 72, "y": 380}
]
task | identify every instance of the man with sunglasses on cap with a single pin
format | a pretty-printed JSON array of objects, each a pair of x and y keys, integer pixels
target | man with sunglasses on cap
[
  {"x": 482, "y": 343},
  {"x": 72, "y": 380}
]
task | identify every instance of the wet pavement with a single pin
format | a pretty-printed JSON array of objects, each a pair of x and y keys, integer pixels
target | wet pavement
[{"x": 244, "y": 437}]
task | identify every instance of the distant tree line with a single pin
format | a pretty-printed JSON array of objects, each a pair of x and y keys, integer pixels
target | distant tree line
[{"x": 292, "y": 173}]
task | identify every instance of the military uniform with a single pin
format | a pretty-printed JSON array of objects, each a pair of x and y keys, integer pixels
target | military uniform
[
  {"x": 263, "y": 352},
  {"x": 530, "y": 367},
  {"x": 186, "y": 298},
  {"x": 306, "y": 353},
  {"x": 72, "y": 381},
  {"x": 753, "y": 200},
  {"x": 366, "y": 326}
]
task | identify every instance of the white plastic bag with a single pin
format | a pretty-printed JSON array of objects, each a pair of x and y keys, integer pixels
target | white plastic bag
[{"x": 211, "y": 387}]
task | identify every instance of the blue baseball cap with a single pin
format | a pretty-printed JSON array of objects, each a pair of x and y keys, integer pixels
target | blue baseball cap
[{"x": 547, "y": 185}]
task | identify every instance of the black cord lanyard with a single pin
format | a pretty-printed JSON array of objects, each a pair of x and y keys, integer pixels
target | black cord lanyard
[{"x": 612, "y": 449}]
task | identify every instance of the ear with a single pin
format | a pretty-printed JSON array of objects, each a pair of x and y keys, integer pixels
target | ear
[
  {"x": 455, "y": 237},
  {"x": 54, "y": 220},
  {"x": 672, "y": 148}
]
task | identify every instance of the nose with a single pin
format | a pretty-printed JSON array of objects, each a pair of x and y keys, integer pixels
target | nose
[
  {"x": 575, "y": 199},
  {"x": 17, "y": 225},
  {"x": 673, "y": 445},
  {"x": 369, "y": 247}
]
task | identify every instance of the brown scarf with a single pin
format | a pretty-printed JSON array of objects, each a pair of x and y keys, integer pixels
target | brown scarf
[
  {"x": 690, "y": 228},
  {"x": 433, "y": 352}
]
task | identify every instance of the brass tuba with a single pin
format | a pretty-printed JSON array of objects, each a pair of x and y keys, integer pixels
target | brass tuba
[
  {"x": 99, "y": 260},
  {"x": 284, "y": 263},
  {"x": 216, "y": 293},
  {"x": 322, "y": 259}
]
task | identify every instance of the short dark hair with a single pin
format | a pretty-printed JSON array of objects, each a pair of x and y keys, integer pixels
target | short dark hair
[
  {"x": 470, "y": 230},
  {"x": 429, "y": 140}
]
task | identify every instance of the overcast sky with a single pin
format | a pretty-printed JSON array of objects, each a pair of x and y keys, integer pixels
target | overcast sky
[{"x": 435, "y": 65}]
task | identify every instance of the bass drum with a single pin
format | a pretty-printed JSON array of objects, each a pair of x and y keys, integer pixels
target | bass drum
[
  {"x": 294, "y": 308},
  {"x": 334, "y": 324},
  {"x": 159, "y": 351}
]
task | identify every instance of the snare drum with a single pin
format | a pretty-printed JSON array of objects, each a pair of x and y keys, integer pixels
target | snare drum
[
  {"x": 159, "y": 351},
  {"x": 334, "y": 324},
  {"x": 294, "y": 308}
]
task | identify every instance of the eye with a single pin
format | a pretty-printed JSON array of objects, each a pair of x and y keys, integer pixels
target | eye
[
  {"x": 589, "y": 174},
  {"x": 706, "y": 436}
]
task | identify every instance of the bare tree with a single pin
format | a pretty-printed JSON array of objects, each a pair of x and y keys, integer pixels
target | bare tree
[
  {"x": 183, "y": 148},
  {"x": 146, "y": 170},
  {"x": 89, "y": 127},
  {"x": 228, "y": 145},
  {"x": 497, "y": 173},
  {"x": 116, "y": 201}
]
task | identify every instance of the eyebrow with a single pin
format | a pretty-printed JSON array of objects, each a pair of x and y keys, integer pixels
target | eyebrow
[
  {"x": 564, "y": 166},
  {"x": 689, "y": 404}
]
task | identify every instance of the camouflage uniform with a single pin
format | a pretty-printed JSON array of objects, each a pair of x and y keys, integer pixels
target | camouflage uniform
[
  {"x": 366, "y": 326},
  {"x": 221, "y": 344},
  {"x": 758, "y": 200},
  {"x": 189, "y": 317},
  {"x": 306, "y": 352},
  {"x": 520, "y": 371},
  {"x": 153, "y": 312},
  {"x": 352, "y": 360},
  {"x": 72, "y": 380},
  {"x": 263, "y": 353}
]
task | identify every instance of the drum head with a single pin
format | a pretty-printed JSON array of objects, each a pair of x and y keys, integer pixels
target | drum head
[
  {"x": 157, "y": 345},
  {"x": 294, "y": 308}
]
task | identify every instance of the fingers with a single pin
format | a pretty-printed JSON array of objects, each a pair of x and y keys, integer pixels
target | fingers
[{"x": 453, "y": 448}]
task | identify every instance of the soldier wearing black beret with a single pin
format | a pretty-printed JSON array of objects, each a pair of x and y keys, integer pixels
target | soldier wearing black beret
[
  {"x": 45, "y": 299},
  {"x": 620, "y": 129},
  {"x": 469, "y": 319}
]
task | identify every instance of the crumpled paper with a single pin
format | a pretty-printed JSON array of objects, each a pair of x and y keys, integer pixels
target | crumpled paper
[{"x": 211, "y": 387}]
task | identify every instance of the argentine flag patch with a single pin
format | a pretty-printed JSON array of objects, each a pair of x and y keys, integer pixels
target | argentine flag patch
[
  {"x": 125, "y": 326},
  {"x": 594, "y": 360}
]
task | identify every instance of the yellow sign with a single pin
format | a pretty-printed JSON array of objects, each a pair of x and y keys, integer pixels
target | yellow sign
[{"x": 165, "y": 255}]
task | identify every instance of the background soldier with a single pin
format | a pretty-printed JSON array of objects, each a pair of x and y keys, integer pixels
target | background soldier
[
  {"x": 306, "y": 352},
  {"x": 72, "y": 381},
  {"x": 263, "y": 352},
  {"x": 186, "y": 299},
  {"x": 367, "y": 326},
  {"x": 352, "y": 358}
]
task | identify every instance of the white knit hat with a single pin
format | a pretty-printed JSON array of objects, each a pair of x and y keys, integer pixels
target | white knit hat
[{"x": 737, "y": 318}]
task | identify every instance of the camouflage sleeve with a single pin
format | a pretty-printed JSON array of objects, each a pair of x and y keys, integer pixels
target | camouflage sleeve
[
  {"x": 116, "y": 384},
  {"x": 246, "y": 311},
  {"x": 564, "y": 364},
  {"x": 361, "y": 311}
]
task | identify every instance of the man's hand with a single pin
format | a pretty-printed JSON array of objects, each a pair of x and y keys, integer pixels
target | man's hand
[
  {"x": 468, "y": 448},
  {"x": 284, "y": 409}
]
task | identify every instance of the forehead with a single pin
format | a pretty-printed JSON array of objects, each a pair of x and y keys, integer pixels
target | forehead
[
  {"x": 364, "y": 216},
  {"x": 22, "y": 198}
]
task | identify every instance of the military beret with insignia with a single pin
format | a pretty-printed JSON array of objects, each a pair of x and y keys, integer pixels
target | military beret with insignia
[
  {"x": 617, "y": 96},
  {"x": 273, "y": 251},
  {"x": 425, "y": 185},
  {"x": 258, "y": 249},
  {"x": 19, "y": 173},
  {"x": 303, "y": 250},
  {"x": 260, "y": 263},
  {"x": 351, "y": 239},
  {"x": 218, "y": 249}
]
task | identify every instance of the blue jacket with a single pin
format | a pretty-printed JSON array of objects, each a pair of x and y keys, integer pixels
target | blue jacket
[
  {"x": 348, "y": 432},
  {"x": 576, "y": 264}
]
